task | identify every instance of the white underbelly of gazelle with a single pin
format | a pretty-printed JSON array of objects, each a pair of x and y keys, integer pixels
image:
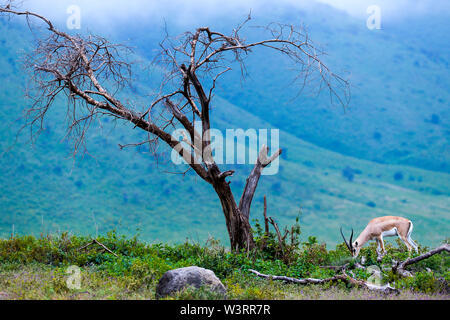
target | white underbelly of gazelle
[{"x": 390, "y": 233}]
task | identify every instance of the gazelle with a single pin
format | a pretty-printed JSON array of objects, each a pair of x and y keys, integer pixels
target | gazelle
[{"x": 382, "y": 227}]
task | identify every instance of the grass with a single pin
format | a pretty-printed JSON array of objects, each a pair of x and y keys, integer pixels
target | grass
[{"x": 36, "y": 268}]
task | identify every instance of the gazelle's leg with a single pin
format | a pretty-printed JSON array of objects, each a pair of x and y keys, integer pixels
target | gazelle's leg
[
  {"x": 379, "y": 246},
  {"x": 380, "y": 238},
  {"x": 380, "y": 249},
  {"x": 413, "y": 244},
  {"x": 406, "y": 242},
  {"x": 410, "y": 240}
]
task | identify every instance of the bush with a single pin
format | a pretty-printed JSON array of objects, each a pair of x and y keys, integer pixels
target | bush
[
  {"x": 348, "y": 173},
  {"x": 371, "y": 204},
  {"x": 398, "y": 176},
  {"x": 271, "y": 245},
  {"x": 377, "y": 136},
  {"x": 423, "y": 281},
  {"x": 435, "y": 119},
  {"x": 315, "y": 253}
]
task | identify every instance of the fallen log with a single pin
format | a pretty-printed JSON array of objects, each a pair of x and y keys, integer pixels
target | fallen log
[
  {"x": 399, "y": 267},
  {"x": 386, "y": 289}
]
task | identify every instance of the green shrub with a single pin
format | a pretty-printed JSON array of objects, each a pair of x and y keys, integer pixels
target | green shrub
[{"x": 271, "y": 245}]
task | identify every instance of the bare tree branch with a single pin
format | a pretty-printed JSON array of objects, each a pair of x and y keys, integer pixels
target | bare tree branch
[
  {"x": 399, "y": 267},
  {"x": 253, "y": 179}
]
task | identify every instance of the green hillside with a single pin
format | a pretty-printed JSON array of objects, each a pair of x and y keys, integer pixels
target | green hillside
[{"x": 336, "y": 168}]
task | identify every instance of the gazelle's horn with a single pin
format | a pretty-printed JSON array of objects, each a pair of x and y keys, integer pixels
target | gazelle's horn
[
  {"x": 346, "y": 243},
  {"x": 351, "y": 241}
]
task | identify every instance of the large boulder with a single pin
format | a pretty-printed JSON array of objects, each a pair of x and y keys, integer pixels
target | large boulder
[{"x": 178, "y": 279}]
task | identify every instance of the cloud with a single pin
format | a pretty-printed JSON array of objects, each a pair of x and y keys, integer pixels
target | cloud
[
  {"x": 109, "y": 12},
  {"x": 120, "y": 9},
  {"x": 177, "y": 12},
  {"x": 391, "y": 8}
]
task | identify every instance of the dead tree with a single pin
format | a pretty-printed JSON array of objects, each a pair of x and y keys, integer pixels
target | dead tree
[{"x": 91, "y": 72}]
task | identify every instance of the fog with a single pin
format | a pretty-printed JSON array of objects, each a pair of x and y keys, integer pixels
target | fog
[
  {"x": 392, "y": 8},
  {"x": 113, "y": 11}
]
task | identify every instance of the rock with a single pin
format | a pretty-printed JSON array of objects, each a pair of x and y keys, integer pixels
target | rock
[{"x": 178, "y": 279}]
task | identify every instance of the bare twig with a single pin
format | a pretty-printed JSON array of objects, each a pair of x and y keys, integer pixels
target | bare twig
[
  {"x": 95, "y": 241},
  {"x": 277, "y": 230},
  {"x": 266, "y": 220}
]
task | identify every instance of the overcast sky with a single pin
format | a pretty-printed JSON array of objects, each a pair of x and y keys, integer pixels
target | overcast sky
[
  {"x": 392, "y": 7},
  {"x": 98, "y": 9}
]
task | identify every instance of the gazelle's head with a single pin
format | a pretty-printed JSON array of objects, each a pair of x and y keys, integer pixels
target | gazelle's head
[{"x": 353, "y": 247}]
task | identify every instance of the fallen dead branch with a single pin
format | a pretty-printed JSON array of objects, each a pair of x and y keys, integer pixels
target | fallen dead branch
[
  {"x": 95, "y": 241},
  {"x": 386, "y": 289},
  {"x": 399, "y": 267}
]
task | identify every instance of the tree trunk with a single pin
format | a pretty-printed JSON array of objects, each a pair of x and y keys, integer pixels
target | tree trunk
[
  {"x": 238, "y": 225},
  {"x": 238, "y": 217}
]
